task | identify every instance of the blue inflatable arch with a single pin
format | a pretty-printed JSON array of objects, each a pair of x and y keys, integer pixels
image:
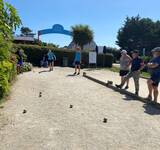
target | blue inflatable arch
[{"x": 57, "y": 28}]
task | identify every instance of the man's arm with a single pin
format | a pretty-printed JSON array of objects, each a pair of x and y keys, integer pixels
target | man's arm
[
  {"x": 130, "y": 60},
  {"x": 152, "y": 65}
]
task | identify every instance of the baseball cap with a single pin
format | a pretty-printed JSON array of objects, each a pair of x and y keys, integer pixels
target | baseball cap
[
  {"x": 157, "y": 49},
  {"x": 123, "y": 52}
]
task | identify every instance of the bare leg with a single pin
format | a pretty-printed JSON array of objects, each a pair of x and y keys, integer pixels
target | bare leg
[
  {"x": 150, "y": 87},
  {"x": 155, "y": 93},
  {"x": 18, "y": 69},
  {"x": 75, "y": 69},
  {"x": 122, "y": 78},
  {"x": 79, "y": 68},
  {"x": 127, "y": 82},
  {"x": 49, "y": 66},
  {"x": 52, "y": 65}
]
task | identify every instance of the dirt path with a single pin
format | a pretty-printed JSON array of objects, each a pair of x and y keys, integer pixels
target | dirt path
[{"x": 50, "y": 124}]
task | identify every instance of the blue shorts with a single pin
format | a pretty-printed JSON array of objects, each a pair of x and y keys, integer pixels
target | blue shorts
[
  {"x": 155, "y": 79},
  {"x": 20, "y": 63},
  {"x": 50, "y": 61},
  {"x": 77, "y": 63}
]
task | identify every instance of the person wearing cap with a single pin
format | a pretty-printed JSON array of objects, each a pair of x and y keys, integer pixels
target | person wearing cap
[
  {"x": 77, "y": 61},
  {"x": 154, "y": 69},
  {"x": 51, "y": 58},
  {"x": 125, "y": 62},
  {"x": 137, "y": 65}
]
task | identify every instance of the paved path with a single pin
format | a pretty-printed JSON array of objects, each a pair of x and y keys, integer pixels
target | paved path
[
  {"x": 50, "y": 124},
  {"x": 105, "y": 75}
]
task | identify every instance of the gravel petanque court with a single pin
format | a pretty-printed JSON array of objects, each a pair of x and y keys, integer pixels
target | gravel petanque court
[{"x": 58, "y": 111}]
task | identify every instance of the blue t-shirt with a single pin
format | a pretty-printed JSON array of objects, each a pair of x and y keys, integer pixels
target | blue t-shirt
[
  {"x": 51, "y": 56},
  {"x": 156, "y": 71},
  {"x": 77, "y": 57},
  {"x": 136, "y": 64}
]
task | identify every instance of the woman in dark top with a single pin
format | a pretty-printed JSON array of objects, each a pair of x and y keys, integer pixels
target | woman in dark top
[{"x": 20, "y": 61}]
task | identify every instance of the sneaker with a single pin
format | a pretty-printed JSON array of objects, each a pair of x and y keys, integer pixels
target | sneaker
[
  {"x": 118, "y": 86},
  {"x": 78, "y": 73},
  {"x": 75, "y": 73},
  {"x": 126, "y": 88},
  {"x": 149, "y": 98},
  {"x": 136, "y": 93},
  {"x": 155, "y": 101}
]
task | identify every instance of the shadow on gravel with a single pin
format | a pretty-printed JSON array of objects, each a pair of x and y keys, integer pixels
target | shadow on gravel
[
  {"x": 71, "y": 75},
  {"x": 129, "y": 98},
  {"x": 151, "y": 109},
  {"x": 44, "y": 71}
]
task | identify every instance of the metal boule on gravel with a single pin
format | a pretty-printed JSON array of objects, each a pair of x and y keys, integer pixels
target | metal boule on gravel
[
  {"x": 24, "y": 111},
  {"x": 105, "y": 120},
  {"x": 40, "y": 94},
  {"x": 71, "y": 106}
]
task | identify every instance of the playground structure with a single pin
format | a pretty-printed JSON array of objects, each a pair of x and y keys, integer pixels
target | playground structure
[{"x": 59, "y": 29}]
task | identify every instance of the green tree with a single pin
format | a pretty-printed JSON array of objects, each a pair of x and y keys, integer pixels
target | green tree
[
  {"x": 9, "y": 20},
  {"x": 82, "y": 35},
  {"x": 139, "y": 33},
  {"x": 25, "y": 31}
]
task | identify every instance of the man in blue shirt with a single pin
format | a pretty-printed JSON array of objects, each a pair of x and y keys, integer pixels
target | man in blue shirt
[
  {"x": 137, "y": 65},
  {"x": 77, "y": 60},
  {"x": 154, "y": 67},
  {"x": 51, "y": 59}
]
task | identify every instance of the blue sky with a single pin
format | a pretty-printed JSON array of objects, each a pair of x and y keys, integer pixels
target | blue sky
[{"x": 105, "y": 17}]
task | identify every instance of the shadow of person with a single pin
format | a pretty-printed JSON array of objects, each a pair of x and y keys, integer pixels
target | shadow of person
[
  {"x": 128, "y": 98},
  {"x": 151, "y": 109},
  {"x": 71, "y": 75},
  {"x": 44, "y": 71}
]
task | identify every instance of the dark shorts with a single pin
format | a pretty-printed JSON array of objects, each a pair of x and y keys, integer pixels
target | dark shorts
[
  {"x": 155, "y": 80},
  {"x": 77, "y": 63},
  {"x": 50, "y": 61},
  {"x": 20, "y": 63},
  {"x": 123, "y": 72}
]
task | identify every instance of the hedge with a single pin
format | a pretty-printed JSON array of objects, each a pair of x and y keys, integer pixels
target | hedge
[
  {"x": 35, "y": 54},
  {"x": 7, "y": 74}
]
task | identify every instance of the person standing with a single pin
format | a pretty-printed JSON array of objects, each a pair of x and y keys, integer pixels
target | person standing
[
  {"x": 77, "y": 61},
  {"x": 51, "y": 59},
  {"x": 137, "y": 65},
  {"x": 20, "y": 61},
  {"x": 154, "y": 69},
  {"x": 125, "y": 62}
]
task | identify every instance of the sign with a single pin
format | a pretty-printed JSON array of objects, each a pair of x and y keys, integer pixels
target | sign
[{"x": 92, "y": 58}]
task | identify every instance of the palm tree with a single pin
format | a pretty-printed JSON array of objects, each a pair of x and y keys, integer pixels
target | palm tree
[
  {"x": 25, "y": 31},
  {"x": 82, "y": 35}
]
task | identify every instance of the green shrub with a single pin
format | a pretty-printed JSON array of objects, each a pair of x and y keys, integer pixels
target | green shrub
[
  {"x": 26, "y": 67},
  {"x": 146, "y": 59},
  {"x": 35, "y": 54},
  {"x": 7, "y": 74}
]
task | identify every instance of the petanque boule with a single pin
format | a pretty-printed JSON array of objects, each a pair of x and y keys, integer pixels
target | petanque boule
[
  {"x": 24, "y": 111},
  {"x": 40, "y": 94},
  {"x": 105, "y": 120},
  {"x": 71, "y": 106}
]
